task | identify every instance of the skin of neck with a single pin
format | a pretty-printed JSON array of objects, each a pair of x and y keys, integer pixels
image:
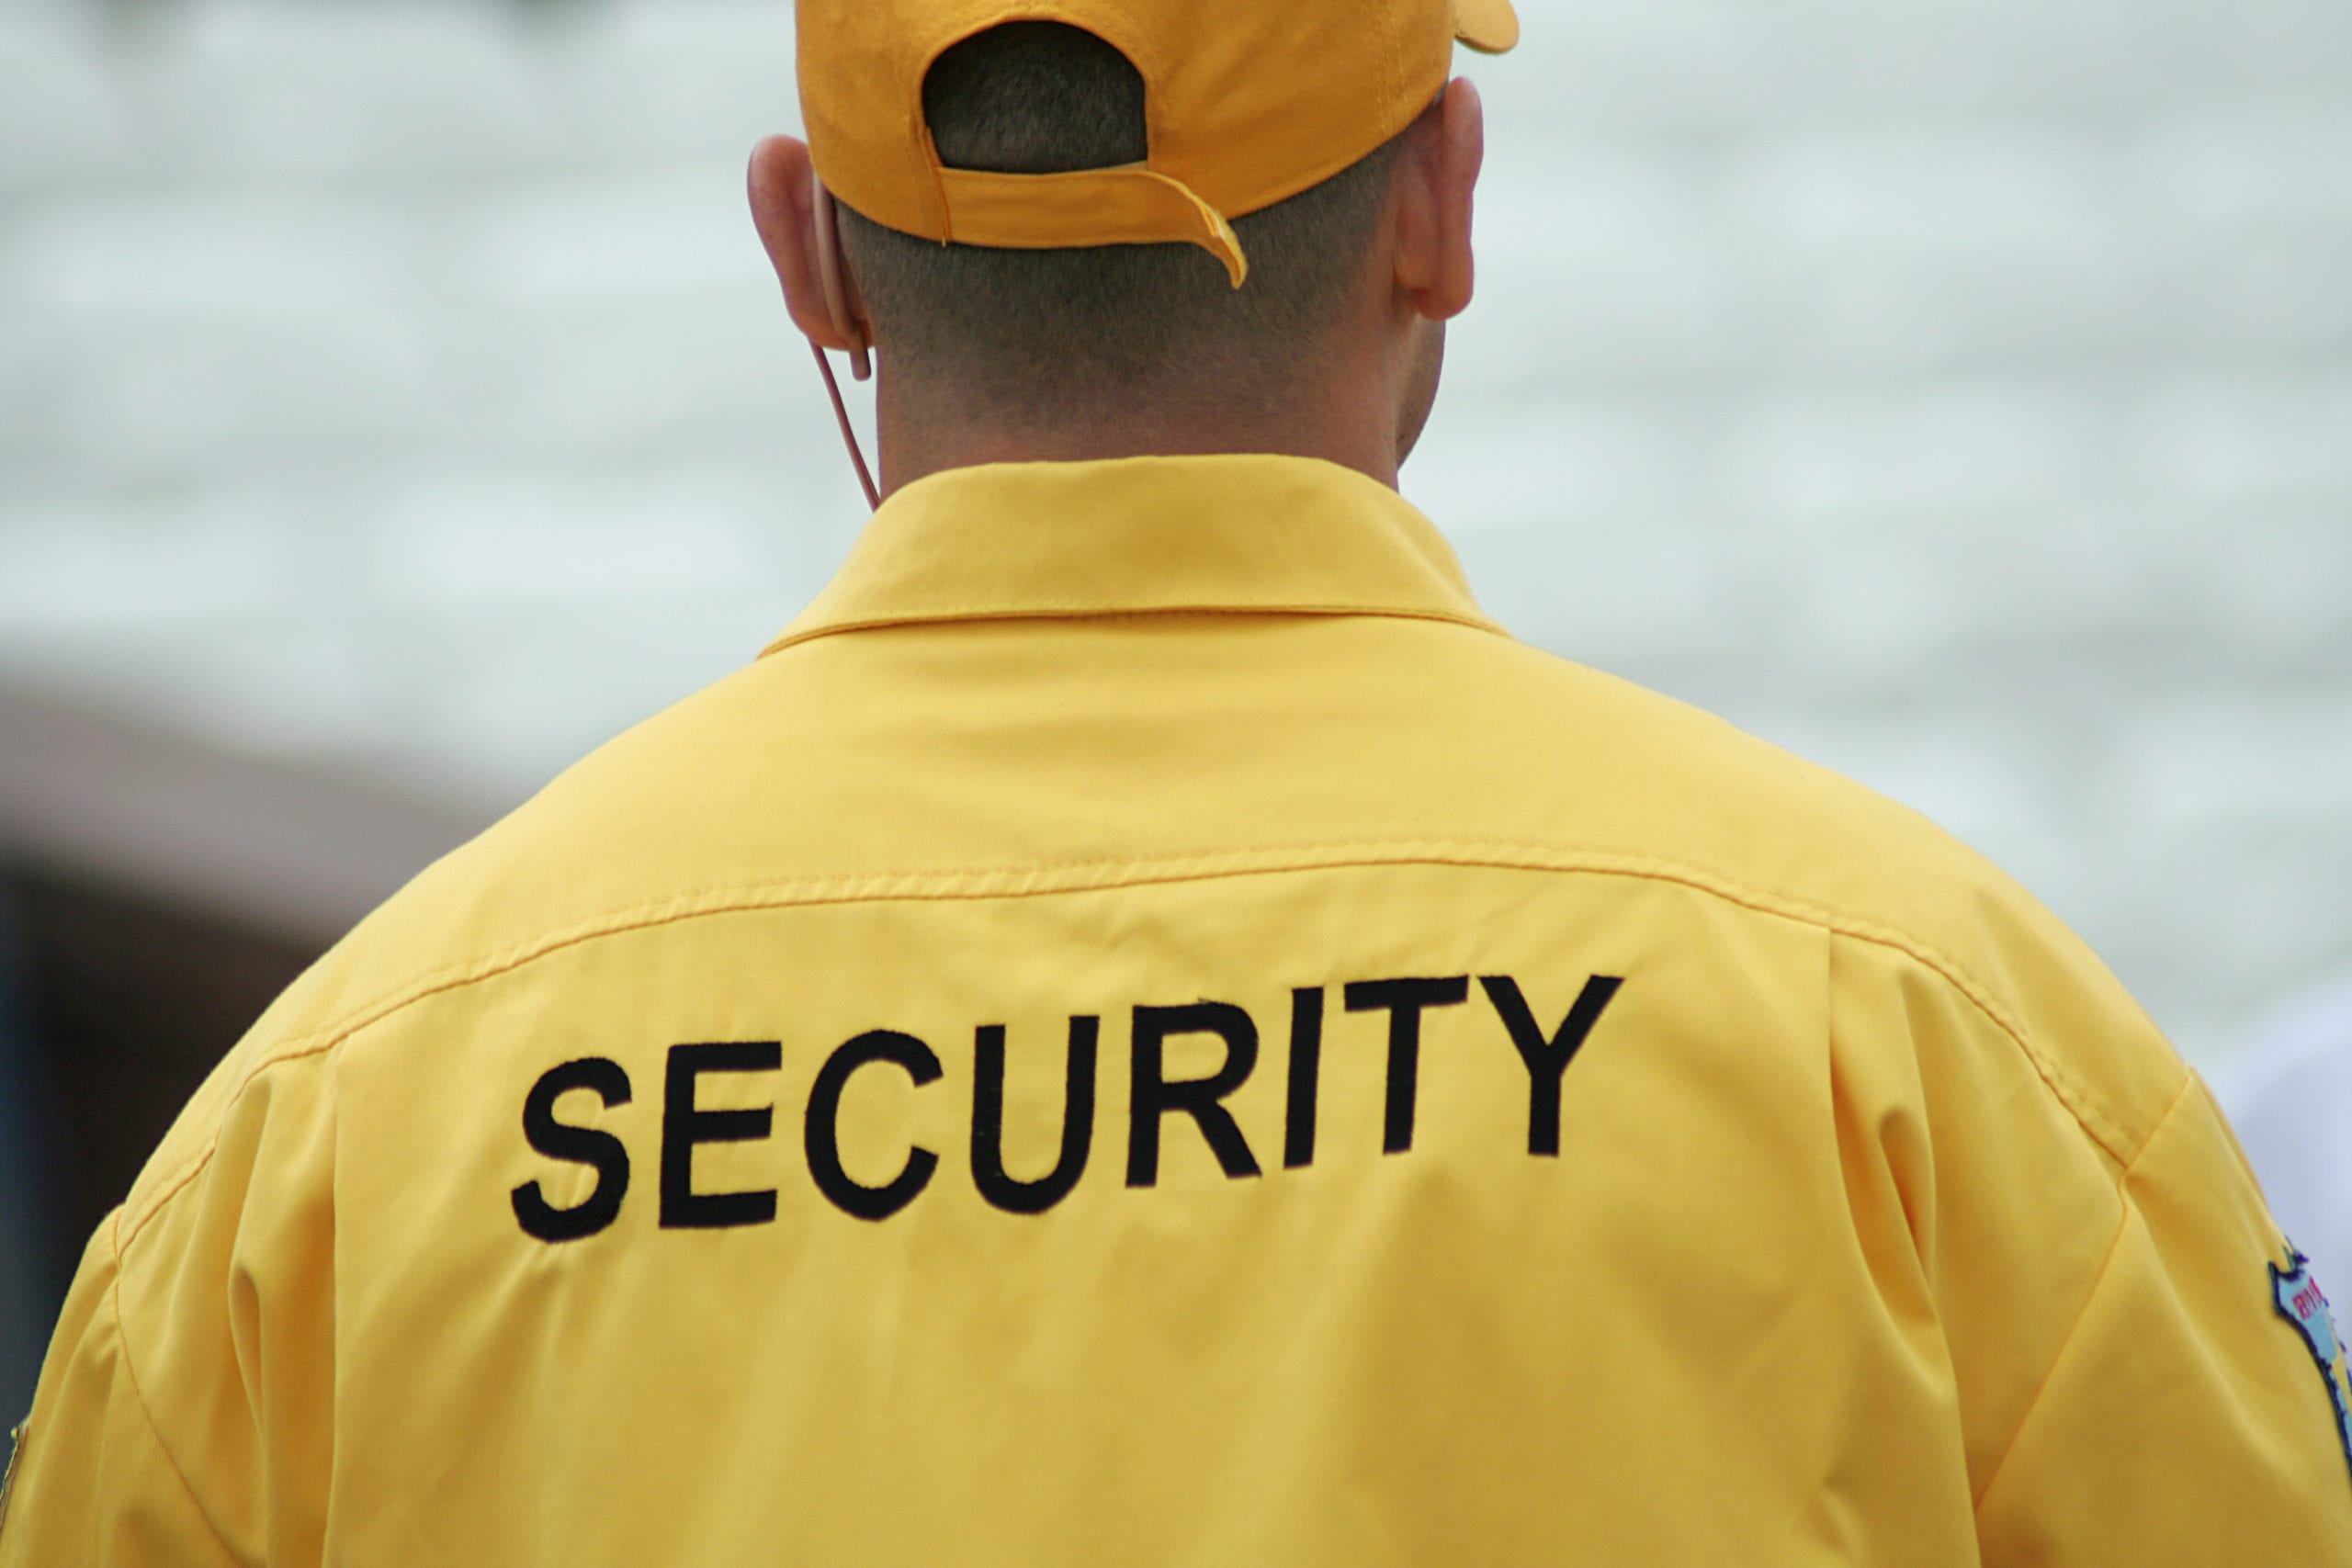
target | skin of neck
[{"x": 1359, "y": 399}]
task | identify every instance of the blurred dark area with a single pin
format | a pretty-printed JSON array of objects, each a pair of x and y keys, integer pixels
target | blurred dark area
[
  {"x": 118, "y": 1005},
  {"x": 157, "y": 891}
]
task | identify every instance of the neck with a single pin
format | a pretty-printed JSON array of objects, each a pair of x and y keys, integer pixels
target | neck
[
  {"x": 911, "y": 454},
  {"x": 927, "y": 426}
]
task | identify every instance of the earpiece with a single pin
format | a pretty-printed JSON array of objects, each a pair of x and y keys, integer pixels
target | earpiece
[{"x": 840, "y": 301}]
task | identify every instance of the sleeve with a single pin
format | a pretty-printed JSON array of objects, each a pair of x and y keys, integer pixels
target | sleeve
[
  {"x": 92, "y": 1482},
  {"x": 186, "y": 1413},
  {"x": 2189, "y": 1414},
  {"x": 2073, "y": 1223}
]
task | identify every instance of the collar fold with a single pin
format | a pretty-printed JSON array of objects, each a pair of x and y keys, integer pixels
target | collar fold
[{"x": 1142, "y": 535}]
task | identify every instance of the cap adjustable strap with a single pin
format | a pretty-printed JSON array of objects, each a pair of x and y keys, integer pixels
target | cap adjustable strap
[{"x": 1127, "y": 206}]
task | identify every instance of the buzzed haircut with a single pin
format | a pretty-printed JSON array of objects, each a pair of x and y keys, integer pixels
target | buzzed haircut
[{"x": 1050, "y": 332}]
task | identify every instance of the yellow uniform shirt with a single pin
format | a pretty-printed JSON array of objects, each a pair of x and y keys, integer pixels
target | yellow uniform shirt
[{"x": 1146, "y": 1030}]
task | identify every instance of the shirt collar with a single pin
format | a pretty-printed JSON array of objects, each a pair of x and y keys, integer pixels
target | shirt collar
[{"x": 1142, "y": 535}]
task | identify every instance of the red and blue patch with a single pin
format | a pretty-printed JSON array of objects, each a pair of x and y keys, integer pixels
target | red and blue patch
[{"x": 2297, "y": 1298}]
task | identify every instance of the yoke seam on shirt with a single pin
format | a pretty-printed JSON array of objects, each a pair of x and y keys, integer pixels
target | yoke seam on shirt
[
  {"x": 2082, "y": 1312},
  {"x": 115, "y": 1242},
  {"x": 1019, "y": 881}
]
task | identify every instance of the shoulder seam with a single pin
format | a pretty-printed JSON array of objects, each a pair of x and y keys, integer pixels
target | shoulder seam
[
  {"x": 1045, "y": 879},
  {"x": 2099, "y": 1278},
  {"x": 139, "y": 1395}
]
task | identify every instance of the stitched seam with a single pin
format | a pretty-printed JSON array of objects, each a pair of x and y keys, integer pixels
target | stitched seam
[
  {"x": 792, "y": 639},
  {"x": 2107, "y": 1264},
  {"x": 1040, "y": 880},
  {"x": 116, "y": 1241},
  {"x": 1400, "y": 66}
]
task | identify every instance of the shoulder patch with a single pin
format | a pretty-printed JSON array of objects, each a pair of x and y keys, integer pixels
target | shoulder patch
[{"x": 2297, "y": 1297}]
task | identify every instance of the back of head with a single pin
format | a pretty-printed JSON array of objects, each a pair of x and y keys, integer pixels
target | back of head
[{"x": 1045, "y": 336}]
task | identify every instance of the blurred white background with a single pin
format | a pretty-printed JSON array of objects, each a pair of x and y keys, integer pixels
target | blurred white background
[{"x": 1956, "y": 391}]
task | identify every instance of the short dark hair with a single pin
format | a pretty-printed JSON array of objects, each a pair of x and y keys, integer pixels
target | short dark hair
[{"x": 1052, "y": 331}]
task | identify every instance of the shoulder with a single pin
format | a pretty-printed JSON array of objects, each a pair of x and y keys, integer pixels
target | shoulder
[
  {"x": 1666, "y": 789},
  {"x": 630, "y": 836}
]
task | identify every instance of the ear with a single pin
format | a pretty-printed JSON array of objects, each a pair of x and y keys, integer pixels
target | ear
[
  {"x": 783, "y": 187},
  {"x": 1437, "y": 175}
]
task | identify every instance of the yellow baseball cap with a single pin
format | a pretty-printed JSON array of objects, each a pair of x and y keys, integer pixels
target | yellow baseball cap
[{"x": 1246, "y": 102}]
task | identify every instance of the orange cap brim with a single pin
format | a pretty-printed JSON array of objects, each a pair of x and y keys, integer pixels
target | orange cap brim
[{"x": 1490, "y": 27}]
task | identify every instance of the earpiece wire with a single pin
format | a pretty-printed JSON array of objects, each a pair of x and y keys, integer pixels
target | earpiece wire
[{"x": 849, "y": 435}]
